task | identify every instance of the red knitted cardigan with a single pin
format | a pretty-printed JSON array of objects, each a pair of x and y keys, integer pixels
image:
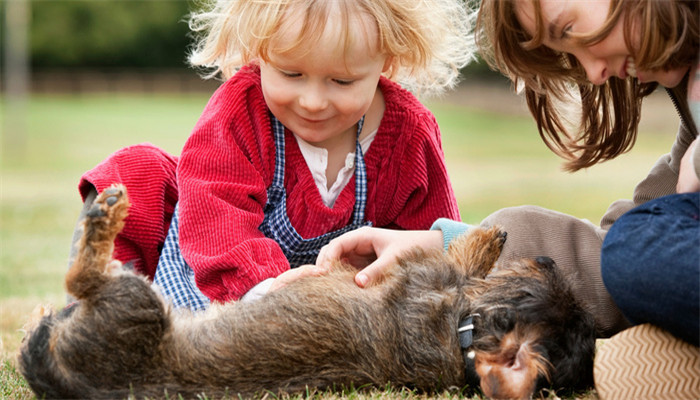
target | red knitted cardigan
[{"x": 227, "y": 165}]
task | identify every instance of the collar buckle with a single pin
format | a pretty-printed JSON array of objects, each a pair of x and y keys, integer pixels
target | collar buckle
[{"x": 465, "y": 330}]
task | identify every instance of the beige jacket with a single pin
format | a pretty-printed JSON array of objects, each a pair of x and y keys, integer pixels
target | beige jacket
[{"x": 574, "y": 244}]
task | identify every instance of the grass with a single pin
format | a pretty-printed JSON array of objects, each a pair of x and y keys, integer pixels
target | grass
[{"x": 494, "y": 160}]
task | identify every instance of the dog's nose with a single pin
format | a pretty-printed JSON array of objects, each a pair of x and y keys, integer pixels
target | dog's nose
[{"x": 545, "y": 261}]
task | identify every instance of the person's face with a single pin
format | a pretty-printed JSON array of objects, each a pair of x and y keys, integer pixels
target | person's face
[
  {"x": 601, "y": 60},
  {"x": 320, "y": 91}
]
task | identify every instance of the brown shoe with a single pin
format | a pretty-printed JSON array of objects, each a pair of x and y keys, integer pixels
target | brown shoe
[{"x": 646, "y": 362}]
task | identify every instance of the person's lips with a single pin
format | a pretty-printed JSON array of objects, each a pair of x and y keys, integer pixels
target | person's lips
[{"x": 312, "y": 120}]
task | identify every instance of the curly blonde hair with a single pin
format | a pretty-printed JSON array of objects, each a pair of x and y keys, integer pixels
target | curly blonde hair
[
  {"x": 609, "y": 113},
  {"x": 429, "y": 41}
]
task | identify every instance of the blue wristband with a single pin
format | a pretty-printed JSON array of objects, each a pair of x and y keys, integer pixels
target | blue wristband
[{"x": 450, "y": 229}]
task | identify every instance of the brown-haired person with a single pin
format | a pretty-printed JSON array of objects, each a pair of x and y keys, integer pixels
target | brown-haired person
[{"x": 641, "y": 267}]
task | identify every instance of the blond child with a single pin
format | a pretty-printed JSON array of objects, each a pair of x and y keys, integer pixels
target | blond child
[{"x": 310, "y": 136}]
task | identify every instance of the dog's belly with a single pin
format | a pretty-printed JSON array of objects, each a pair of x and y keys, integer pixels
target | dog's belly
[{"x": 321, "y": 332}]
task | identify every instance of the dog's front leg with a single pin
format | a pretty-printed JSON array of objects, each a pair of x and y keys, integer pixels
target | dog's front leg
[
  {"x": 478, "y": 250},
  {"x": 100, "y": 227}
]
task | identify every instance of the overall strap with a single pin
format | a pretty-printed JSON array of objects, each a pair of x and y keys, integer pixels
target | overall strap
[
  {"x": 278, "y": 132},
  {"x": 360, "y": 179}
]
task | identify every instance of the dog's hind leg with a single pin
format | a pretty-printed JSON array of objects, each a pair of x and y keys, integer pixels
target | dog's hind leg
[
  {"x": 102, "y": 223},
  {"x": 478, "y": 250}
]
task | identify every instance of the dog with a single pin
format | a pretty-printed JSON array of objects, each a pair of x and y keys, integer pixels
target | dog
[{"x": 439, "y": 320}]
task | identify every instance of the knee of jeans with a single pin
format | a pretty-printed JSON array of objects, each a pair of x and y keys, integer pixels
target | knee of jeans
[
  {"x": 611, "y": 270},
  {"x": 623, "y": 269},
  {"x": 617, "y": 259},
  {"x": 619, "y": 281}
]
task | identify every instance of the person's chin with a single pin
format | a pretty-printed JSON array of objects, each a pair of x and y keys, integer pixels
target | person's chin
[{"x": 669, "y": 78}]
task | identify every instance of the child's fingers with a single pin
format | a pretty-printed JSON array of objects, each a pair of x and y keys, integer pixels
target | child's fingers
[
  {"x": 353, "y": 247},
  {"x": 374, "y": 271},
  {"x": 294, "y": 274}
]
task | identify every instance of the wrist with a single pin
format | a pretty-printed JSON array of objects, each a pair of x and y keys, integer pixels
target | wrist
[
  {"x": 258, "y": 290},
  {"x": 450, "y": 230}
]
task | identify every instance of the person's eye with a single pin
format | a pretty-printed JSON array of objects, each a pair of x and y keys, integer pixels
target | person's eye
[
  {"x": 343, "y": 82},
  {"x": 290, "y": 74},
  {"x": 566, "y": 32}
]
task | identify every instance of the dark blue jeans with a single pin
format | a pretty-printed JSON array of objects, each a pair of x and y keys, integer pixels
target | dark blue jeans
[{"x": 650, "y": 264}]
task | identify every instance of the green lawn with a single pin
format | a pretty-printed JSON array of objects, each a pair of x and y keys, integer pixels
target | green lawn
[{"x": 494, "y": 160}]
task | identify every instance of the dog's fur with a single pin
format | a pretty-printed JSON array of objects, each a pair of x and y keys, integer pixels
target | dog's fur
[{"x": 122, "y": 339}]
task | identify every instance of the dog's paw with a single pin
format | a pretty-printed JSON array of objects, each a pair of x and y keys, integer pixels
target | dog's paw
[
  {"x": 478, "y": 250},
  {"x": 110, "y": 202},
  {"x": 105, "y": 218}
]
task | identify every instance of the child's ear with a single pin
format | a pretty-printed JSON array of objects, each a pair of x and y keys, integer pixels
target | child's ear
[{"x": 388, "y": 63}]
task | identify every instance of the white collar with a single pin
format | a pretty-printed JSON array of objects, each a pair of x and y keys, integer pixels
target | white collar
[{"x": 317, "y": 160}]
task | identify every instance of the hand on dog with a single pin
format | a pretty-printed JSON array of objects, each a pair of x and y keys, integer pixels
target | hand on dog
[
  {"x": 294, "y": 274},
  {"x": 373, "y": 250}
]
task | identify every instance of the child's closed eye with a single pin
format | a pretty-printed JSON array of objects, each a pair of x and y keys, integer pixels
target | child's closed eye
[
  {"x": 343, "y": 82},
  {"x": 290, "y": 74}
]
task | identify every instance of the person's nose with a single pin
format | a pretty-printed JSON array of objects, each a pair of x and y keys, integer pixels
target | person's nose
[
  {"x": 313, "y": 98},
  {"x": 597, "y": 69}
]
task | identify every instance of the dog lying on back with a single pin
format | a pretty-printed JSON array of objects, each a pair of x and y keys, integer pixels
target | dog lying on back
[{"x": 520, "y": 328}]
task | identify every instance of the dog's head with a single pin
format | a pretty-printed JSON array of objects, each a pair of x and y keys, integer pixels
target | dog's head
[{"x": 531, "y": 333}]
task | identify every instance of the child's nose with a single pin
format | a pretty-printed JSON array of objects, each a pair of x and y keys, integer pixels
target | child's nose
[{"x": 313, "y": 98}]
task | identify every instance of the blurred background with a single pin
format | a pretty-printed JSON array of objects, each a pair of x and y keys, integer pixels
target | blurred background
[{"x": 83, "y": 78}]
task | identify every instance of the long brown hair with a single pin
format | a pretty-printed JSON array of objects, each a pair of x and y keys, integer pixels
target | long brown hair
[{"x": 609, "y": 114}]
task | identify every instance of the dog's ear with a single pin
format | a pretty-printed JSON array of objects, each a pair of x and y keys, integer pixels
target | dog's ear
[
  {"x": 513, "y": 370},
  {"x": 477, "y": 250}
]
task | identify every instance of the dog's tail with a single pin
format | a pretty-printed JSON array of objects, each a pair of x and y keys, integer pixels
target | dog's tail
[{"x": 102, "y": 223}]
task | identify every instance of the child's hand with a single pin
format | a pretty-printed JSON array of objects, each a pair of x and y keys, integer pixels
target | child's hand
[
  {"x": 374, "y": 250},
  {"x": 687, "y": 179},
  {"x": 294, "y": 274}
]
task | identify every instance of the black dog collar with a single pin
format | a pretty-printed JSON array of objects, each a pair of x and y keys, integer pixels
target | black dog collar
[{"x": 465, "y": 331}]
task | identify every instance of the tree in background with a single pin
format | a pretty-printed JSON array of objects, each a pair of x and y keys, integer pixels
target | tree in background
[{"x": 105, "y": 34}]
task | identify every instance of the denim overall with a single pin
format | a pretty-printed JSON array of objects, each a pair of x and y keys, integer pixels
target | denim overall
[{"x": 176, "y": 279}]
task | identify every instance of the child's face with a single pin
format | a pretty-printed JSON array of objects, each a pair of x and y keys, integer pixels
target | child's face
[
  {"x": 601, "y": 60},
  {"x": 319, "y": 91}
]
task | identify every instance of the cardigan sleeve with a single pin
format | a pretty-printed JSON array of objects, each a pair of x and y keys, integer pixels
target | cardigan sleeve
[
  {"x": 224, "y": 170},
  {"x": 424, "y": 190}
]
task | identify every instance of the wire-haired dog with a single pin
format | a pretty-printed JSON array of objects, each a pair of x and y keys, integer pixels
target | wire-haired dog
[{"x": 439, "y": 320}]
